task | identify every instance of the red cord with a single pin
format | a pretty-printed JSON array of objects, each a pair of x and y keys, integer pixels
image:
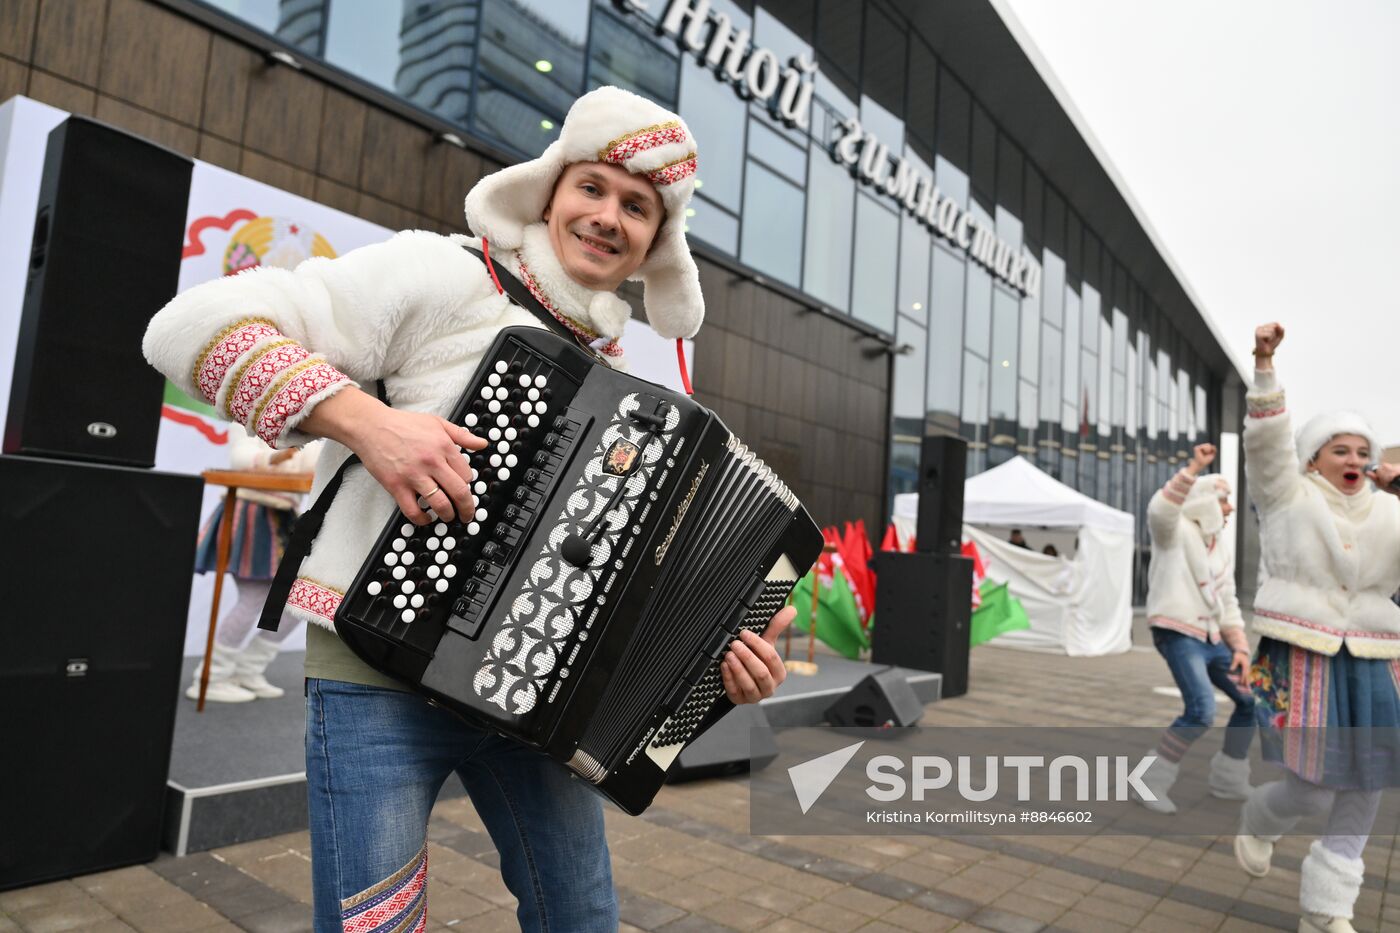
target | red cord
[
  {"x": 680, "y": 358},
  {"x": 490, "y": 267}
]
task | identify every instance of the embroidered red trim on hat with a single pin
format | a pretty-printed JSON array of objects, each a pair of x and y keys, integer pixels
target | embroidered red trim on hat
[
  {"x": 257, "y": 374},
  {"x": 296, "y": 387},
  {"x": 224, "y": 350},
  {"x": 670, "y": 174},
  {"x": 315, "y": 598},
  {"x": 588, "y": 336},
  {"x": 648, "y": 137}
]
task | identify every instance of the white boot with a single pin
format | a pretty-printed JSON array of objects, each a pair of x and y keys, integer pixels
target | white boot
[
  {"x": 1255, "y": 854},
  {"x": 1229, "y": 777},
  {"x": 1328, "y": 888},
  {"x": 1159, "y": 780},
  {"x": 221, "y": 689},
  {"x": 251, "y": 663}
]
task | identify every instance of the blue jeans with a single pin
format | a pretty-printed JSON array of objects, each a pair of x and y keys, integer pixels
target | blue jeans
[
  {"x": 1198, "y": 666},
  {"x": 375, "y": 761}
]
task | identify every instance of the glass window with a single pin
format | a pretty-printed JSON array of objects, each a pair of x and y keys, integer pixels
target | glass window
[
  {"x": 883, "y": 63},
  {"x": 1120, "y": 340},
  {"x": 838, "y": 41},
  {"x": 1073, "y": 398},
  {"x": 974, "y": 400},
  {"x": 777, "y": 152},
  {"x": 979, "y": 296},
  {"x": 946, "y": 331},
  {"x": 1132, "y": 419},
  {"x": 365, "y": 39},
  {"x": 1030, "y": 339},
  {"x": 1052, "y": 287},
  {"x": 1005, "y": 337},
  {"x": 1120, "y": 399},
  {"x": 1105, "y": 375},
  {"x": 771, "y": 34},
  {"x": 914, "y": 244},
  {"x": 715, "y": 114},
  {"x": 1089, "y": 318},
  {"x": 772, "y": 228},
  {"x": 830, "y": 221},
  {"x": 631, "y": 58},
  {"x": 952, "y": 181},
  {"x": 533, "y": 49},
  {"x": 909, "y": 371},
  {"x": 1028, "y": 400},
  {"x": 873, "y": 279},
  {"x": 713, "y": 224},
  {"x": 1202, "y": 419},
  {"x": 263, "y": 14},
  {"x": 904, "y": 468},
  {"x": 921, "y": 97},
  {"x": 502, "y": 115},
  {"x": 1051, "y": 349}
]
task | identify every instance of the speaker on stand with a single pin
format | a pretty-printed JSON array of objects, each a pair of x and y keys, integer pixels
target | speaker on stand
[
  {"x": 924, "y": 599},
  {"x": 882, "y": 700}
]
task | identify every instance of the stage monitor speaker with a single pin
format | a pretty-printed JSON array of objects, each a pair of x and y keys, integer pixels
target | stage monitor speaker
[
  {"x": 942, "y": 472},
  {"x": 105, "y": 257},
  {"x": 925, "y": 611},
  {"x": 881, "y": 700},
  {"x": 740, "y": 741},
  {"x": 98, "y": 562}
]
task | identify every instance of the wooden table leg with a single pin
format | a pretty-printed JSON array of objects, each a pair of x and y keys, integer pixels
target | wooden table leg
[{"x": 220, "y": 568}]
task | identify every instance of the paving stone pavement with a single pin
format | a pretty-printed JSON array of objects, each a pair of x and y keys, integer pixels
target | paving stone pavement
[{"x": 689, "y": 864}]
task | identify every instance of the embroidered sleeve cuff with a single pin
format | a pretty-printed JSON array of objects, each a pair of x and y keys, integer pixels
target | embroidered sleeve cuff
[
  {"x": 262, "y": 379},
  {"x": 1178, "y": 487}
]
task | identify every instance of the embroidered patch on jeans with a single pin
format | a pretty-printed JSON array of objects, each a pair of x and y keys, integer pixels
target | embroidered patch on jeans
[{"x": 398, "y": 904}]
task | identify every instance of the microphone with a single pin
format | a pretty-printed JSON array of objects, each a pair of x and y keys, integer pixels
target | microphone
[{"x": 1394, "y": 484}]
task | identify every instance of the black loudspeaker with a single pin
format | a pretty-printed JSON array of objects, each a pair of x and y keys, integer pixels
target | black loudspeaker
[
  {"x": 741, "y": 741},
  {"x": 882, "y": 700},
  {"x": 925, "y": 612},
  {"x": 97, "y": 566},
  {"x": 106, "y": 256},
  {"x": 942, "y": 471}
]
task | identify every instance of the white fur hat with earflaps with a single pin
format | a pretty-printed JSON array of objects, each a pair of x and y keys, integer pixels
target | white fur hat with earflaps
[
  {"x": 1202, "y": 504},
  {"x": 617, "y": 127},
  {"x": 1320, "y": 429}
]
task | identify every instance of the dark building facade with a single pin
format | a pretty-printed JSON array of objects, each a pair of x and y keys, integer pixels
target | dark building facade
[{"x": 900, "y": 231}]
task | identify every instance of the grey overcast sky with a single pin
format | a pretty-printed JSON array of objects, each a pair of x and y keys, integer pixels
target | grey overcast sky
[{"x": 1261, "y": 138}]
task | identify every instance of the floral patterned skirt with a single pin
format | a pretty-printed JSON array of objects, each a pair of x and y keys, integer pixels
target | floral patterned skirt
[{"x": 1333, "y": 721}]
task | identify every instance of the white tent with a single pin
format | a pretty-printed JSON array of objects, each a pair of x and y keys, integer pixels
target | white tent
[{"x": 1078, "y": 605}]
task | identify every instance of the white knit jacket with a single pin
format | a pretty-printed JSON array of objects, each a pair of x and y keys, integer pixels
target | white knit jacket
[
  {"x": 1191, "y": 581},
  {"x": 417, "y": 311},
  {"x": 1332, "y": 566}
]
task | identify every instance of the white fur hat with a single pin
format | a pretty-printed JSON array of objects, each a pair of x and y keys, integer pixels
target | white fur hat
[
  {"x": 1202, "y": 504},
  {"x": 618, "y": 127},
  {"x": 1320, "y": 429}
]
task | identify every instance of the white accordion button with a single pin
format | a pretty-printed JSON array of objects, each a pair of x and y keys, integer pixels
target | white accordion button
[
  {"x": 400, "y": 601},
  {"x": 374, "y": 588},
  {"x": 432, "y": 544},
  {"x": 502, "y": 393},
  {"x": 494, "y": 434},
  {"x": 502, "y": 421},
  {"x": 433, "y": 571},
  {"x": 511, "y": 434},
  {"x": 449, "y": 543},
  {"x": 488, "y": 392},
  {"x": 406, "y": 615},
  {"x": 408, "y": 586},
  {"x": 511, "y": 460},
  {"x": 449, "y": 571},
  {"x": 526, "y": 408},
  {"x": 493, "y": 406},
  {"x": 441, "y": 586},
  {"x": 440, "y": 529},
  {"x": 406, "y": 558},
  {"x": 416, "y": 601},
  {"x": 524, "y": 380},
  {"x": 479, "y": 488},
  {"x": 501, "y": 366},
  {"x": 533, "y": 395},
  {"x": 503, "y": 447},
  {"x": 480, "y": 515},
  {"x": 390, "y": 559},
  {"x": 399, "y": 544},
  {"x": 406, "y": 530},
  {"x": 440, "y": 557},
  {"x": 503, "y": 474},
  {"x": 469, "y": 420},
  {"x": 473, "y": 528},
  {"x": 493, "y": 380},
  {"x": 532, "y": 421},
  {"x": 400, "y": 573},
  {"x": 495, "y": 460}
]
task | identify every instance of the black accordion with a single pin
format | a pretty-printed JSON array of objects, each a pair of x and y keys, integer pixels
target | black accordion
[{"x": 621, "y": 540}]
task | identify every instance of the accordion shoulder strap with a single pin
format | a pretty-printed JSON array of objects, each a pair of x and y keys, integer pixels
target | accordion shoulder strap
[{"x": 304, "y": 531}]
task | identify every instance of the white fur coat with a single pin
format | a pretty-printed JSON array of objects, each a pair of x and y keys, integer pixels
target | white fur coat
[
  {"x": 1191, "y": 580},
  {"x": 1333, "y": 560},
  {"x": 417, "y": 311}
]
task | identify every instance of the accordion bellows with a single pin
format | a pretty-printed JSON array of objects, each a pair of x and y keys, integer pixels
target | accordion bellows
[{"x": 622, "y": 538}]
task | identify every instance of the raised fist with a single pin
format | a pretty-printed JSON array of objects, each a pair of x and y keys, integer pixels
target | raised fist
[
  {"x": 1267, "y": 337},
  {"x": 1204, "y": 456}
]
